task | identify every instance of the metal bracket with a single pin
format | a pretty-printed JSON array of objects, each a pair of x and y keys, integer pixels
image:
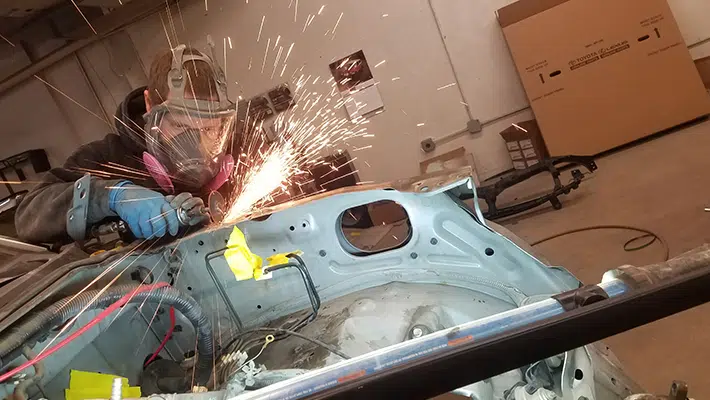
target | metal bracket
[
  {"x": 581, "y": 297},
  {"x": 429, "y": 144},
  {"x": 78, "y": 214}
]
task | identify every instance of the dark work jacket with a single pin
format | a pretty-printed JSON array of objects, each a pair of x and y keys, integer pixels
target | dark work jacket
[{"x": 41, "y": 215}]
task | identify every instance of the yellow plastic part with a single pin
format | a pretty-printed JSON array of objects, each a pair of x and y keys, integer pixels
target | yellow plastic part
[
  {"x": 91, "y": 385},
  {"x": 243, "y": 263}
]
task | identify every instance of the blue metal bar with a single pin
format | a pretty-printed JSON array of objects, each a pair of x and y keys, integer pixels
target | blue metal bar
[{"x": 400, "y": 354}]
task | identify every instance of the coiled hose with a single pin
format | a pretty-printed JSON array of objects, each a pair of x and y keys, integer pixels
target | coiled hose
[{"x": 67, "y": 308}]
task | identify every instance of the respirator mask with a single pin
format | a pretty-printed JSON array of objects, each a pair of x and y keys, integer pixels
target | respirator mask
[{"x": 187, "y": 138}]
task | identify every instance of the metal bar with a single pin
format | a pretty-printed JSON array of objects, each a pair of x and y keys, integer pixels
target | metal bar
[
  {"x": 375, "y": 366},
  {"x": 220, "y": 288}
]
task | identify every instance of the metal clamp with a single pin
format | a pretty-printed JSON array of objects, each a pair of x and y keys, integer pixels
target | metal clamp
[
  {"x": 78, "y": 214},
  {"x": 581, "y": 297}
]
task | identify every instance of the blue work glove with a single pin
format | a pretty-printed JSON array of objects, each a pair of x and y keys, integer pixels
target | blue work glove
[{"x": 147, "y": 212}]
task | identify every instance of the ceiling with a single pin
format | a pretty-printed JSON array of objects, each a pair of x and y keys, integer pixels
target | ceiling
[
  {"x": 25, "y": 8},
  {"x": 15, "y": 15}
]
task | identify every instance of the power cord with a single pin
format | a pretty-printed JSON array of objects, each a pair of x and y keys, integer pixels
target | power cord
[
  {"x": 645, "y": 234},
  {"x": 324, "y": 345}
]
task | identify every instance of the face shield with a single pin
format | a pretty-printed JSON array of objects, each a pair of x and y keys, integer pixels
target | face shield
[{"x": 187, "y": 138}]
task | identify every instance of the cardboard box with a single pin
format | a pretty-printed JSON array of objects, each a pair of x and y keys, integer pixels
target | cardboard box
[
  {"x": 703, "y": 66},
  {"x": 525, "y": 144},
  {"x": 602, "y": 73}
]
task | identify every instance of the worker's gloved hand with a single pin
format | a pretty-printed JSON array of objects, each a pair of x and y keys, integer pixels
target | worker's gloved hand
[
  {"x": 147, "y": 212},
  {"x": 191, "y": 208}
]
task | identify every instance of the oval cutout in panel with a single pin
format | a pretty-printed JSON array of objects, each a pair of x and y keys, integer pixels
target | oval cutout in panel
[{"x": 374, "y": 227}]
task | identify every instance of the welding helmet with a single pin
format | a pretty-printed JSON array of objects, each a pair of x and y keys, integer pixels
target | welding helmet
[{"x": 187, "y": 138}]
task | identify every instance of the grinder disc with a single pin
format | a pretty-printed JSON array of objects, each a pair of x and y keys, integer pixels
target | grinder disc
[{"x": 216, "y": 204}]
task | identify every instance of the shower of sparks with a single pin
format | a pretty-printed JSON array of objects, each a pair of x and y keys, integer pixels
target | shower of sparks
[
  {"x": 321, "y": 9},
  {"x": 288, "y": 53},
  {"x": 380, "y": 63},
  {"x": 306, "y": 131},
  {"x": 7, "y": 40},
  {"x": 295, "y": 13},
  {"x": 420, "y": 124},
  {"x": 266, "y": 54},
  {"x": 520, "y": 128},
  {"x": 206, "y": 6},
  {"x": 276, "y": 61},
  {"x": 446, "y": 86},
  {"x": 71, "y": 99},
  {"x": 182, "y": 21},
  {"x": 337, "y": 23},
  {"x": 463, "y": 103},
  {"x": 84, "y": 16},
  {"x": 224, "y": 45},
  {"x": 276, "y": 44},
  {"x": 258, "y": 38},
  {"x": 229, "y": 39},
  {"x": 340, "y": 177},
  {"x": 396, "y": 78},
  {"x": 385, "y": 15}
]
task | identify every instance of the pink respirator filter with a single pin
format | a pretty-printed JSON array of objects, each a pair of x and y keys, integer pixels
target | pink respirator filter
[{"x": 158, "y": 172}]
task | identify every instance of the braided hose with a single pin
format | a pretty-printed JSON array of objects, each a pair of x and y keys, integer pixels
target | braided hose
[{"x": 67, "y": 308}]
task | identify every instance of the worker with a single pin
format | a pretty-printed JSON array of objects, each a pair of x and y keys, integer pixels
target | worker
[{"x": 171, "y": 147}]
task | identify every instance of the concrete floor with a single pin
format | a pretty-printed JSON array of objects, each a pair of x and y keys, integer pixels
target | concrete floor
[{"x": 661, "y": 185}]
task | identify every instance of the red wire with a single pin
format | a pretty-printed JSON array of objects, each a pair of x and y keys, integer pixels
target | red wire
[
  {"x": 105, "y": 313},
  {"x": 167, "y": 337}
]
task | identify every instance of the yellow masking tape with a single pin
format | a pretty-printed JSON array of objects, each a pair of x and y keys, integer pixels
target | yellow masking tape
[
  {"x": 277, "y": 259},
  {"x": 243, "y": 263},
  {"x": 92, "y": 385},
  {"x": 83, "y": 379}
]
